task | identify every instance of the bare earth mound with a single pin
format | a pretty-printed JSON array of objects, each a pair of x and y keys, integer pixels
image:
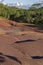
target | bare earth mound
[{"x": 20, "y": 44}]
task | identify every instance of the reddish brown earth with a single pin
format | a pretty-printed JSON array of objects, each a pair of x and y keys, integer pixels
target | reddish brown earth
[{"x": 20, "y": 44}]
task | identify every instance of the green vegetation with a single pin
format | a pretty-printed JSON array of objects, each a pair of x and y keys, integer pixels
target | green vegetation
[{"x": 33, "y": 15}]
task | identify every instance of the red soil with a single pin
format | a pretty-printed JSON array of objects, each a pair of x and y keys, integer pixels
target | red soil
[{"x": 25, "y": 48}]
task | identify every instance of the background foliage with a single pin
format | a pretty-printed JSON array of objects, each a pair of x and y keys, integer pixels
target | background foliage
[{"x": 32, "y": 15}]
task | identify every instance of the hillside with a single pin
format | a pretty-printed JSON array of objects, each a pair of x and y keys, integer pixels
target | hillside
[{"x": 38, "y": 5}]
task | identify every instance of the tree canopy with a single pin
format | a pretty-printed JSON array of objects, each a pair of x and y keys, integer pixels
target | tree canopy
[{"x": 32, "y": 15}]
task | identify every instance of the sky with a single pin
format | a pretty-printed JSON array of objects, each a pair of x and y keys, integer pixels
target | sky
[{"x": 25, "y": 2}]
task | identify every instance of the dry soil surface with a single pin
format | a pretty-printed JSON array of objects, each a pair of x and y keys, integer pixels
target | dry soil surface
[{"x": 20, "y": 44}]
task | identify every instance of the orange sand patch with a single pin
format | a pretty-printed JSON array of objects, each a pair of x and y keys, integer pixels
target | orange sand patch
[{"x": 2, "y": 31}]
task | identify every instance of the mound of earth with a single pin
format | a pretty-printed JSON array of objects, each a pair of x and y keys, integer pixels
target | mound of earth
[{"x": 20, "y": 44}]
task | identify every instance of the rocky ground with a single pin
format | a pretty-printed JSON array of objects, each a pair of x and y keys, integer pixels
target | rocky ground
[{"x": 20, "y": 44}]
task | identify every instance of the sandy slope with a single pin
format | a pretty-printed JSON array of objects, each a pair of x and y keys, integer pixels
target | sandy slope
[{"x": 20, "y": 45}]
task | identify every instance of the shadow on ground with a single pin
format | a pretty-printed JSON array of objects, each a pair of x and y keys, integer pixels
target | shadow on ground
[
  {"x": 2, "y": 58},
  {"x": 37, "y": 57},
  {"x": 13, "y": 58},
  {"x": 30, "y": 40}
]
